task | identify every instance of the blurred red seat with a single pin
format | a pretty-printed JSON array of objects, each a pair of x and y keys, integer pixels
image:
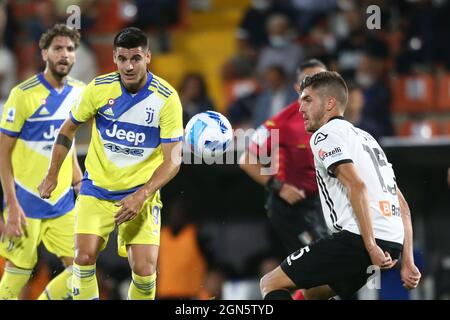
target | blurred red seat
[
  {"x": 443, "y": 93},
  {"x": 419, "y": 128},
  {"x": 413, "y": 93}
]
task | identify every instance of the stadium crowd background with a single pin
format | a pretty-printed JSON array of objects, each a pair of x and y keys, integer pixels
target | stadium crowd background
[{"x": 239, "y": 57}]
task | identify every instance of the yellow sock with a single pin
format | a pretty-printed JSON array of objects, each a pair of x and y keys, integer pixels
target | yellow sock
[
  {"x": 60, "y": 288},
  {"x": 13, "y": 280},
  {"x": 84, "y": 283},
  {"x": 142, "y": 288}
]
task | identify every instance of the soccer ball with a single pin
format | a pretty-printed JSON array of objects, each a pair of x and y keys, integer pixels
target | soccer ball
[{"x": 208, "y": 134}]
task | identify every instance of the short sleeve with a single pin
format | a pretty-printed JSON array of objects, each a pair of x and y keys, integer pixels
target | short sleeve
[
  {"x": 14, "y": 113},
  {"x": 85, "y": 108},
  {"x": 171, "y": 120},
  {"x": 329, "y": 149}
]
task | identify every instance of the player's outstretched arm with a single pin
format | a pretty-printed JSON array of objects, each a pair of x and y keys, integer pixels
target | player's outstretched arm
[
  {"x": 410, "y": 274},
  {"x": 16, "y": 222},
  {"x": 357, "y": 193},
  {"x": 132, "y": 204},
  {"x": 60, "y": 149}
]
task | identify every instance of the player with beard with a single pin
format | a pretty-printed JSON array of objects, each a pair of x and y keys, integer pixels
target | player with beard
[{"x": 32, "y": 116}]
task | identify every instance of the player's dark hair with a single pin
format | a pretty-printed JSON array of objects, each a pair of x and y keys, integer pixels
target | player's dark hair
[
  {"x": 131, "y": 38},
  {"x": 330, "y": 83},
  {"x": 59, "y": 30}
]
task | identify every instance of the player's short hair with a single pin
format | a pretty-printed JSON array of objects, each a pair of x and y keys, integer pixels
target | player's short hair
[
  {"x": 329, "y": 83},
  {"x": 131, "y": 37},
  {"x": 60, "y": 30}
]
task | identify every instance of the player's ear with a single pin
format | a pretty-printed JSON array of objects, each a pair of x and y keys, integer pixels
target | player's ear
[
  {"x": 114, "y": 56},
  {"x": 44, "y": 53},
  {"x": 148, "y": 57},
  {"x": 331, "y": 103}
]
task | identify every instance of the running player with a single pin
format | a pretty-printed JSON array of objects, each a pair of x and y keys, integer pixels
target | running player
[{"x": 135, "y": 149}]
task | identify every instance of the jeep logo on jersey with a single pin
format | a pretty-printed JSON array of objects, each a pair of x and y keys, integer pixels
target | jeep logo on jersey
[
  {"x": 130, "y": 136},
  {"x": 51, "y": 133},
  {"x": 324, "y": 154}
]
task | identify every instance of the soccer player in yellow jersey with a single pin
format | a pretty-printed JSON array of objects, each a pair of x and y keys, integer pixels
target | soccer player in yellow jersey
[
  {"x": 32, "y": 116},
  {"x": 135, "y": 149}
]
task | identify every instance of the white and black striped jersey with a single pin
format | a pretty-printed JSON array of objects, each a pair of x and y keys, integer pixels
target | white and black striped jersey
[{"x": 338, "y": 141}]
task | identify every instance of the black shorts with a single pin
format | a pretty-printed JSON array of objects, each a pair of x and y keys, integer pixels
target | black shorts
[
  {"x": 296, "y": 225},
  {"x": 340, "y": 261}
]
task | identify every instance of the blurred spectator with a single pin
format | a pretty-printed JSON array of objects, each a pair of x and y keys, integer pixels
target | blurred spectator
[
  {"x": 240, "y": 112},
  {"x": 8, "y": 67},
  {"x": 194, "y": 96},
  {"x": 159, "y": 16},
  {"x": 43, "y": 18},
  {"x": 243, "y": 63},
  {"x": 371, "y": 76},
  {"x": 181, "y": 263},
  {"x": 283, "y": 50},
  {"x": 309, "y": 12},
  {"x": 254, "y": 22},
  {"x": 321, "y": 42},
  {"x": 424, "y": 26},
  {"x": 10, "y": 28},
  {"x": 239, "y": 78},
  {"x": 355, "y": 104},
  {"x": 277, "y": 94},
  {"x": 349, "y": 26},
  {"x": 442, "y": 45}
]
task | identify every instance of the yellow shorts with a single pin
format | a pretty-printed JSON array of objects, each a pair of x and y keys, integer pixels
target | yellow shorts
[
  {"x": 96, "y": 216},
  {"x": 56, "y": 233}
]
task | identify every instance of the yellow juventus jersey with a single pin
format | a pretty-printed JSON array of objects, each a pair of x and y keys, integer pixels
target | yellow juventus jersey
[
  {"x": 126, "y": 134},
  {"x": 33, "y": 113}
]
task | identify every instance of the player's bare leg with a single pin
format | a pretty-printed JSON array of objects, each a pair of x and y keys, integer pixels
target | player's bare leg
[
  {"x": 84, "y": 281},
  {"x": 318, "y": 293},
  {"x": 142, "y": 259},
  {"x": 275, "y": 285}
]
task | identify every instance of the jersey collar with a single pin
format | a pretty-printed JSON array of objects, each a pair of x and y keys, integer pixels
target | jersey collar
[
  {"x": 50, "y": 87},
  {"x": 141, "y": 91},
  {"x": 336, "y": 117}
]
